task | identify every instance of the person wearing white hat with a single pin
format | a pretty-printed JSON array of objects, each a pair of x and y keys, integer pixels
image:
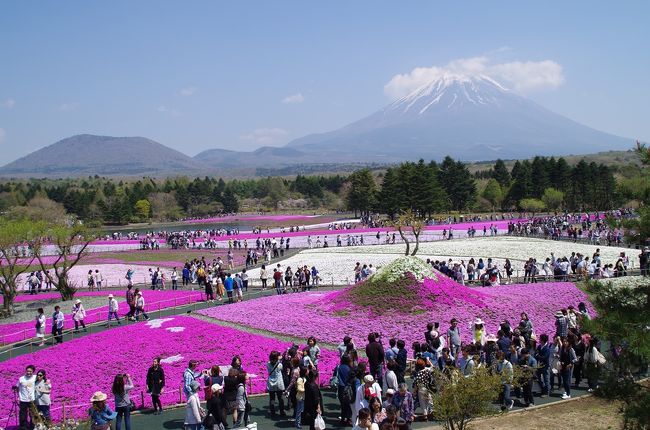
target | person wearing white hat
[
  {"x": 214, "y": 407},
  {"x": 100, "y": 413},
  {"x": 478, "y": 329},
  {"x": 78, "y": 315},
  {"x": 193, "y": 408},
  {"x": 112, "y": 310},
  {"x": 139, "y": 306},
  {"x": 364, "y": 393}
]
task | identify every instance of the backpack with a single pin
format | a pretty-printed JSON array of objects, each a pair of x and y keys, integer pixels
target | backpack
[{"x": 349, "y": 393}]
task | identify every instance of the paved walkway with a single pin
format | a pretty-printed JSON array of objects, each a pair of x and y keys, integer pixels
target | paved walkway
[{"x": 173, "y": 418}]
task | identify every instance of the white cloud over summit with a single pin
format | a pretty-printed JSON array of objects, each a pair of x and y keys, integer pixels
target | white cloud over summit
[{"x": 521, "y": 76}]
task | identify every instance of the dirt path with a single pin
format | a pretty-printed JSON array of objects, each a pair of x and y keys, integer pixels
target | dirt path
[{"x": 587, "y": 412}]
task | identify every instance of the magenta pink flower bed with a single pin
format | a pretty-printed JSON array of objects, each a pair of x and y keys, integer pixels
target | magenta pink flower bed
[
  {"x": 231, "y": 218},
  {"x": 298, "y": 314},
  {"x": 97, "y": 358},
  {"x": 154, "y": 300}
]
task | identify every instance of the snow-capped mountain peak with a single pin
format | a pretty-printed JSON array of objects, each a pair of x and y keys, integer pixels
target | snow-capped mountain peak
[{"x": 449, "y": 91}]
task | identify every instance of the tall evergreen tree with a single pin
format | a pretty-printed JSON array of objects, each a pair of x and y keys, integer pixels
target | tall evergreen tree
[
  {"x": 389, "y": 196},
  {"x": 361, "y": 196},
  {"x": 500, "y": 174},
  {"x": 458, "y": 183},
  {"x": 521, "y": 187}
]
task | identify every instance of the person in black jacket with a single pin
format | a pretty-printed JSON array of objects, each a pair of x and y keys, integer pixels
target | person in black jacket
[
  {"x": 214, "y": 408},
  {"x": 375, "y": 354},
  {"x": 313, "y": 400},
  {"x": 155, "y": 385},
  {"x": 400, "y": 359}
]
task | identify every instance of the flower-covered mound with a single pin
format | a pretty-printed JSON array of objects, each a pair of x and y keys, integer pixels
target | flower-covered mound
[
  {"x": 396, "y": 270},
  {"x": 80, "y": 367},
  {"x": 335, "y": 317},
  {"x": 399, "y": 284}
]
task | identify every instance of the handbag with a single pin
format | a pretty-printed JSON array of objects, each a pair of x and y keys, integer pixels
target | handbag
[
  {"x": 319, "y": 422},
  {"x": 334, "y": 380},
  {"x": 600, "y": 358},
  {"x": 208, "y": 422}
]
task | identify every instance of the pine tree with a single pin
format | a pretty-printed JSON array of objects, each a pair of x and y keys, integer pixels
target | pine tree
[{"x": 501, "y": 174}]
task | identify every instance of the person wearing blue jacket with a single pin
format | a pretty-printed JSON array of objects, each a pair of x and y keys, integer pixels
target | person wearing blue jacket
[
  {"x": 229, "y": 284},
  {"x": 101, "y": 415},
  {"x": 343, "y": 376}
]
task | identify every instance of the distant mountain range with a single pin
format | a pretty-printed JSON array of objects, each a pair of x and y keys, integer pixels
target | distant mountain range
[{"x": 469, "y": 118}]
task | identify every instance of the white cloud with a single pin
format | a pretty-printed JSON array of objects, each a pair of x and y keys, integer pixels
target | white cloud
[
  {"x": 293, "y": 99},
  {"x": 9, "y": 103},
  {"x": 67, "y": 107},
  {"x": 520, "y": 76},
  {"x": 3, "y": 133},
  {"x": 171, "y": 111},
  {"x": 188, "y": 91},
  {"x": 266, "y": 136}
]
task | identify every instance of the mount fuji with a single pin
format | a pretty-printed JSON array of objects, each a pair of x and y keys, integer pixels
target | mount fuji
[{"x": 471, "y": 118}]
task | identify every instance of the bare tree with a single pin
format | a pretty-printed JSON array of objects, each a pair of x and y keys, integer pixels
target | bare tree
[
  {"x": 14, "y": 237},
  {"x": 408, "y": 220},
  {"x": 68, "y": 243}
]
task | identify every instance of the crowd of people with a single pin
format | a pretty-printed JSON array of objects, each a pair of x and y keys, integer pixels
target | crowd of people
[{"x": 372, "y": 387}]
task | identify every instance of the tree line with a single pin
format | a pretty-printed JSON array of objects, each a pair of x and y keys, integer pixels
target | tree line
[
  {"x": 421, "y": 187},
  {"x": 427, "y": 188}
]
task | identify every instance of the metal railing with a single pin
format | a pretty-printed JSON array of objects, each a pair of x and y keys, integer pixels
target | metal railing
[{"x": 101, "y": 317}]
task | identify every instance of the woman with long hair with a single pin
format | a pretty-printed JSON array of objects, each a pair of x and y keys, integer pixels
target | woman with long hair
[
  {"x": 122, "y": 385},
  {"x": 40, "y": 326},
  {"x": 42, "y": 390},
  {"x": 568, "y": 359}
]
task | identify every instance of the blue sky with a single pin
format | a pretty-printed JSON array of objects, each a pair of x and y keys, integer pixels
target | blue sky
[{"x": 196, "y": 75}]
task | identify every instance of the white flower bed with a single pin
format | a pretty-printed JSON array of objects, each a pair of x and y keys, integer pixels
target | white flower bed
[
  {"x": 336, "y": 264},
  {"x": 499, "y": 247},
  {"x": 114, "y": 275},
  {"x": 396, "y": 269},
  {"x": 333, "y": 268},
  {"x": 628, "y": 281}
]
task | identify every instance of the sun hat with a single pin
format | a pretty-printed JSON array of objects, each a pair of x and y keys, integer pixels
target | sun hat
[
  {"x": 368, "y": 378},
  {"x": 77, "y": 302},
  {"x": 110, "y": 296},
  {"x": 559, "y": 314},
  {"x": 98, "y": 397},
  {"x": 491, "y": 338},
  {"x": 216, "y": 387},
  {"x": 390, "y": 392},
  {"x": 478, "y": 321}
]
